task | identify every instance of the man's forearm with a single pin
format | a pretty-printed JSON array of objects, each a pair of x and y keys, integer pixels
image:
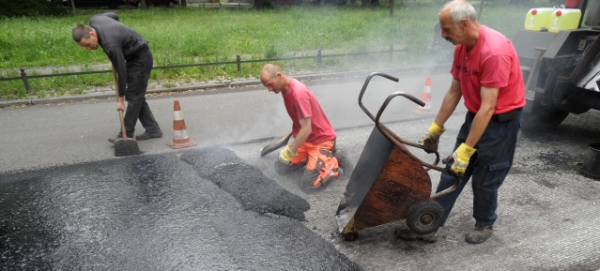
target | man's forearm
[
  {"x": 480, "y": 123},
  {"x": 118, "y": 61},
  {"x": 300, "y": 139},
  {"x": 303, "y": 134},
  {"x": 448, "y": 106},
  {"x": 489, "y": 96}
]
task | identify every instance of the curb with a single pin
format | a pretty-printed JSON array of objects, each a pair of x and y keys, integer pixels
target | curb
[{"x": 225, "y": 85}]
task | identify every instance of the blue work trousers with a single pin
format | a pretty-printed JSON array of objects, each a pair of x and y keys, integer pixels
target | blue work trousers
[{"x": 488, "y": 167}]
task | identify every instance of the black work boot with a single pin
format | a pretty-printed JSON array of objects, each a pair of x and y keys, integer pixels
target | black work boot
[
  {"x": 147, "y": 135},
  {"x": 408, "y": 235},
  {"x": 479, "y": 234},
  {"x": 282, "y": 169},
  {"x": 113, "y": 139},
  {"x": 343, "y": 161},
  {"x": 116, "y": 138}
]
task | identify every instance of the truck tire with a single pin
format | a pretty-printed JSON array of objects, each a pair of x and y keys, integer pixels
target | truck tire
[{"x": 543, "y": 117}]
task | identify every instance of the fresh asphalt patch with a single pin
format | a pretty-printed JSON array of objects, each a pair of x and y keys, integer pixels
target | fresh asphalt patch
[
  {"x": 157, "y": 213},
  {"x": 246, "y": 183}
]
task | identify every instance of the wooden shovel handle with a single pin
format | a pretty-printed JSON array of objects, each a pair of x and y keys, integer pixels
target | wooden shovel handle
[{"x": 123, "y": 131}]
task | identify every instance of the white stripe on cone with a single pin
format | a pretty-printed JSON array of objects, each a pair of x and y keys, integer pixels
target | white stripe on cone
[
  {"x": 178, "y": 115},
  {"x": 180, "y": 135}
]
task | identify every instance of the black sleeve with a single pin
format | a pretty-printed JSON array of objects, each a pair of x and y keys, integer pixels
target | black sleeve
[
  {"x": 115, "y": 54},
  {"x": 111, "y": 15}
]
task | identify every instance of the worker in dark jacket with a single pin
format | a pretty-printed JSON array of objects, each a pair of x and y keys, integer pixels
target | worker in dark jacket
[{"x": 132, "y": 60}]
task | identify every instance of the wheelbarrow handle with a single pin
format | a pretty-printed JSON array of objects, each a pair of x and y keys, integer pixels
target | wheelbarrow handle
[
  {"x": 399, "y": 143},
  {"x": 364, "y": 87},
  {"x": 384, "y": 106}
]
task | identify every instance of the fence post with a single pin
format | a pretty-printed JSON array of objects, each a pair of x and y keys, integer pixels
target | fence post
[
  {"x": 319, "y": 57},
  {"x": 239, "y": 63},
  {"x": 25, "y": 81},
  {"x": 391, "y": 51}
]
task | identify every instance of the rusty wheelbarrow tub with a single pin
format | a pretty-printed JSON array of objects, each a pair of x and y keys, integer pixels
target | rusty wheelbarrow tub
[{"x": 389, "y": 183}]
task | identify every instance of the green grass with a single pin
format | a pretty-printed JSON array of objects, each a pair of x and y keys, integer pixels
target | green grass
[{"x": 184, "y": 36}]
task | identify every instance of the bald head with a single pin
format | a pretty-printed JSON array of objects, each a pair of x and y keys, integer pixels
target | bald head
[
  {"x": 273, "y": 79},
  {"x": 269, "y": 69}
]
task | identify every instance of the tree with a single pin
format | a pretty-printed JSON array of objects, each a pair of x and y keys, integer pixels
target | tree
[{"x": 30, "y": 8}]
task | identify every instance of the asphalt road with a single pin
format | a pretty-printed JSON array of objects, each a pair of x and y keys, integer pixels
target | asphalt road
[
  {"x": 55, "y": 160},
  {"x": 55, "y": 134}
]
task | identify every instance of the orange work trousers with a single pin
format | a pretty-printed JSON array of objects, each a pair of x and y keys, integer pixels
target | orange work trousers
[{"x": 321, "y": 165}]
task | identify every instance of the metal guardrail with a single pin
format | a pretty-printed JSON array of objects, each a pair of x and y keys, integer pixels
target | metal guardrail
[{"x": 237, "y": 62}]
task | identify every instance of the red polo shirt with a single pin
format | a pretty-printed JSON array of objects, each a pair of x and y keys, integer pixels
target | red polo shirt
[
  {"x": 493, "y": 63},
  {"x": 301, "y": 103}
]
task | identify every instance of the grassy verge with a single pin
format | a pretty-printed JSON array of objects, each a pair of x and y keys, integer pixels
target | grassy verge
[{"x": 184, "y": 36}]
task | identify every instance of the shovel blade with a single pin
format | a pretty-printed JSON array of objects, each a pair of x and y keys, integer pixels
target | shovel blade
[
  {"x": 126, "y": 147},
  {"x": 275, "y": 145}
]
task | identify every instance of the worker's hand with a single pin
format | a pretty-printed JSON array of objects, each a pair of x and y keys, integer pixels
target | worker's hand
[
  {"x": 286, "y": 154},
  {"x": 461, "y": 157},
  {"x": 120, "y": 104},
  {"x": 431, "y": 139}
]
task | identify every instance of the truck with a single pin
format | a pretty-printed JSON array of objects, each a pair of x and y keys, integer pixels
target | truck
[{"x": 559, "y": 53}]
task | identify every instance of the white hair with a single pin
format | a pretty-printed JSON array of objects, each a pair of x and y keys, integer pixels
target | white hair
[{"x": 460, "y": 10}]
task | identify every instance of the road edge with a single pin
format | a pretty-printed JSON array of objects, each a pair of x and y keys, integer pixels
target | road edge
[{"x": 226, "y": 85}]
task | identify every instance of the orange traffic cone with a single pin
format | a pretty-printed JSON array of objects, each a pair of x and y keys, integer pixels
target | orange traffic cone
[
  {"x": 180, "y": 139},
  {"x": 426, "y": 97}
]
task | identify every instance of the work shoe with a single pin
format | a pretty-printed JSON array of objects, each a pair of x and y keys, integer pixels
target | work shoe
[
  {"x": 113, "y": 139},
  {"x": 479, "y": 234},
  {"x": 314, "y": 186},
  {"x": 147, "y": 135},
  {"x": 408, "y": 235},
  {"x": 118, "y": 137},
  {"x": 340, "y": 173},
  {"x": 343, "y": 161},
  {"x": 329, "y": 179},
  {"x": 282, "y": 169}
]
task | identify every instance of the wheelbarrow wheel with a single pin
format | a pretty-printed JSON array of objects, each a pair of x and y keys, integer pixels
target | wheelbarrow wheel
[
  {"x": 424, "y": 216},
  {"x": 350, "y": 236}
]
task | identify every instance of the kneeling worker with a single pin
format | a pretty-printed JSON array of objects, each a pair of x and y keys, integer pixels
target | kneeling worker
[{"x": 314, "y": 137}]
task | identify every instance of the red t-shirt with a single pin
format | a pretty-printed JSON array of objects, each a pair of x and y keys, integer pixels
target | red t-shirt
[
  {"x": 300, "y": 103},
  {"x": 493, "y": 63}
]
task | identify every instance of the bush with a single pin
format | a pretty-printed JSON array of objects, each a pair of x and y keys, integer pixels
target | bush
[{"x": 20, "y": 8}]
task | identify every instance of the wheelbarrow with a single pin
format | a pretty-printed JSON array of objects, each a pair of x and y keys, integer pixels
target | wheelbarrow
[{"x": 389, "y": 183}]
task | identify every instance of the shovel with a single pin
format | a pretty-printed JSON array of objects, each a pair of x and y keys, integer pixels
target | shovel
[
  {"x": 124, "y": 146},
  {"x": 275, "y": 145}
]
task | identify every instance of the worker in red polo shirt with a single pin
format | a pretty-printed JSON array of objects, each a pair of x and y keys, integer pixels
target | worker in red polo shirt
[
  {"x": 486, "y": 74},
  {"x": 313, "y": 146}
]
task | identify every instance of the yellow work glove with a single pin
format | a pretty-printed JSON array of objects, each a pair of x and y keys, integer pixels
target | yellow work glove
[
  {"x": 431, "y": 139},
  {"x": 286, "y": 154},
  {"x": 461, "y": 157}
]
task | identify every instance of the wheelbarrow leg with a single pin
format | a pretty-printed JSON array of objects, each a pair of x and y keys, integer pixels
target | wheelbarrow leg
[{"x": 349, "y": 233}]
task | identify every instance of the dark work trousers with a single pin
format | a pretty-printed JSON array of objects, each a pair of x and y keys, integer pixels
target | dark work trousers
[
  {"x": 488, "y": 167},
  {"x": 138, "y": 74}
]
